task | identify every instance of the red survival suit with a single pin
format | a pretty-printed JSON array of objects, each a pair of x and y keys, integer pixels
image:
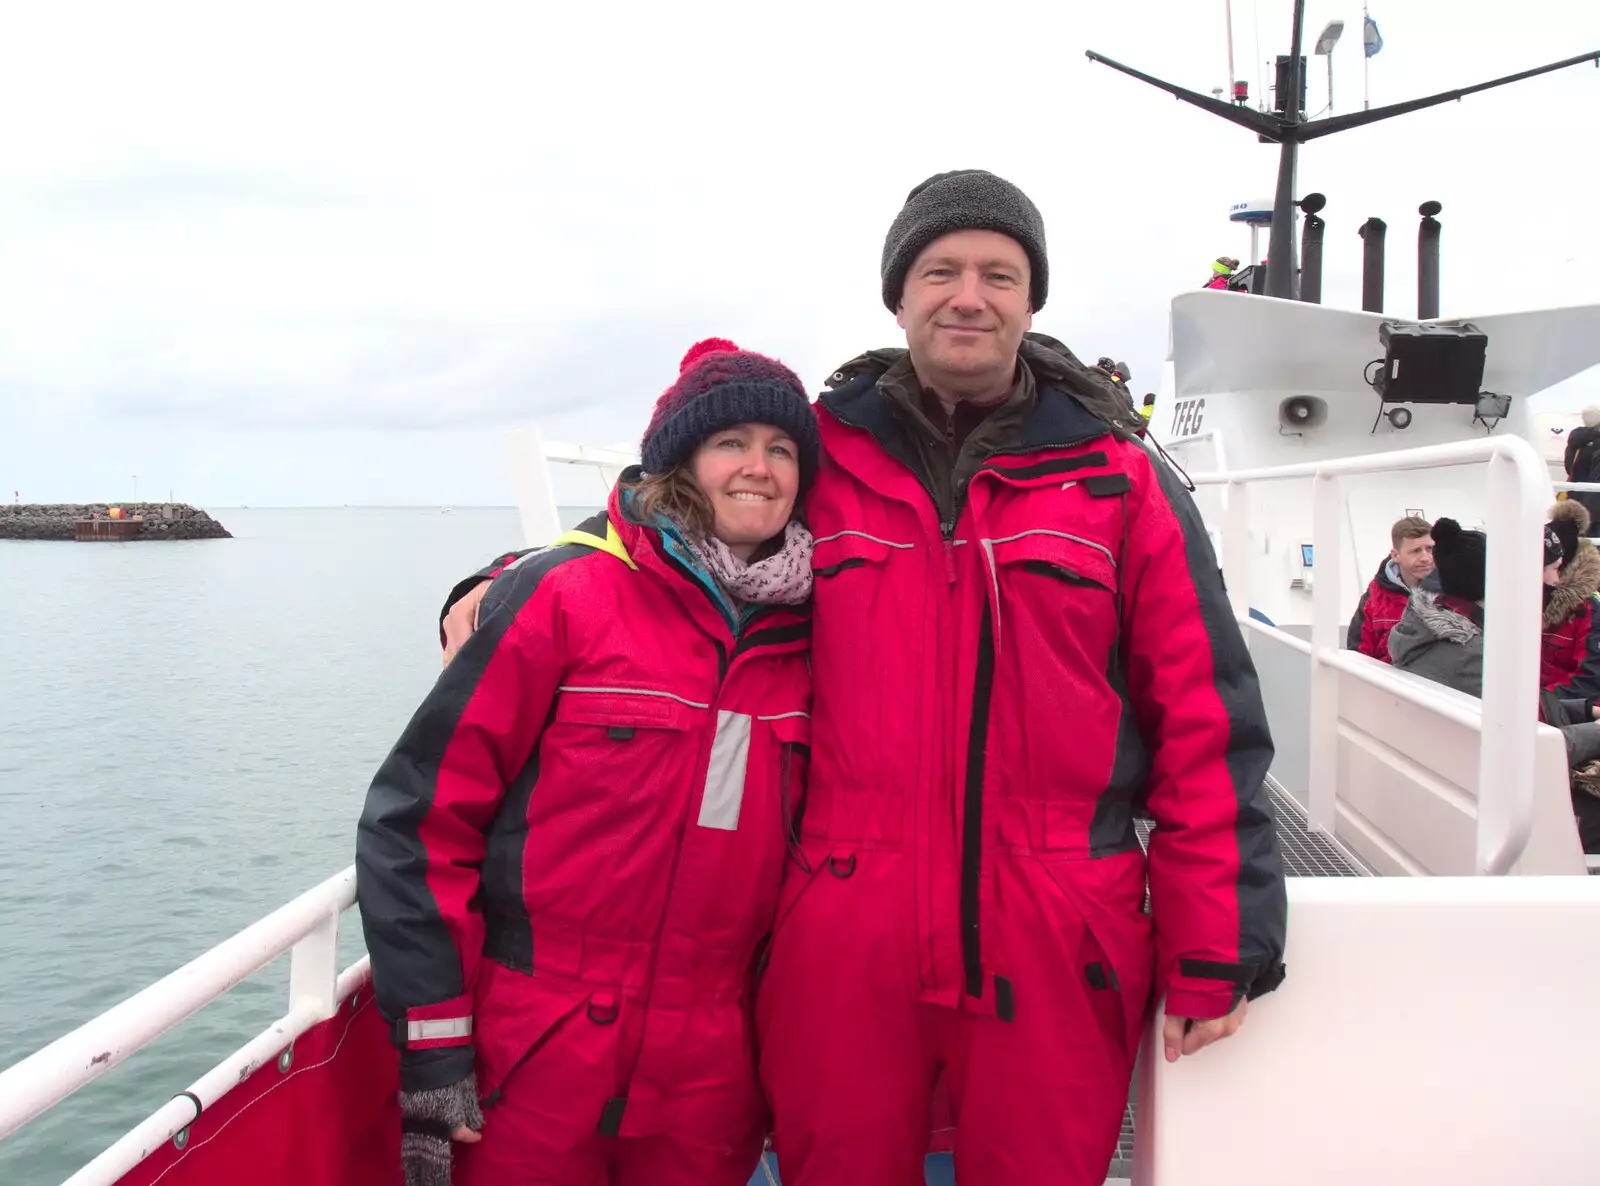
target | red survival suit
[
  {"x": 1569, "y": 656},
  {"x": 569, "y": 861},
  {"x": 994, "y": 699},
  {"x": 1381, "y": 607}
]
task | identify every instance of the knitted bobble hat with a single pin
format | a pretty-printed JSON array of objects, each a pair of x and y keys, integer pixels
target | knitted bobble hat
[
  {"x": 1459, "y": 556},
  {"x": 720, "y": 385}
]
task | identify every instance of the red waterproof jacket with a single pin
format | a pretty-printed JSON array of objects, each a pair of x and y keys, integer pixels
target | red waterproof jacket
[
  {"x": 1014, "y": 686},
  {"x": 1380, "y": 608},
  {"x": 587, "y": 818}
]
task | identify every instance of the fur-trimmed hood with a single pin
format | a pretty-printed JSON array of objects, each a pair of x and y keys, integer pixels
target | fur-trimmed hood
[
  {"x": 1580, "y": 580},
  {"x": 1443, "y": 624},
  {"x": 1438, "y": 643}
]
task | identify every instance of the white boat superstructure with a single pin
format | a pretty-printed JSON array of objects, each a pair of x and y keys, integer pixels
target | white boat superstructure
[{"x": 1259, "y": 382}]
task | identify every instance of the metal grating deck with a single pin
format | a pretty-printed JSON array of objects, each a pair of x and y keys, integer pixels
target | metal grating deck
[{"x": 1305, "y": 853}]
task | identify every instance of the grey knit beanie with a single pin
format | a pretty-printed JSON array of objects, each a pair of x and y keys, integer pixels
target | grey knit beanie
[{"x": 963, "y": 200}]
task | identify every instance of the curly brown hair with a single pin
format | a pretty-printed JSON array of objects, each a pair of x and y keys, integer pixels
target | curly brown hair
[{"x": 678, "y": 496}]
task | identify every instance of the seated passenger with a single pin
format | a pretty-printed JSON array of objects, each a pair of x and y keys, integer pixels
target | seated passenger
[
  {"x": 1569, "y": 655},
  {"x": 1440, "y": 637},
  {"x": 1408, "y": 565}
]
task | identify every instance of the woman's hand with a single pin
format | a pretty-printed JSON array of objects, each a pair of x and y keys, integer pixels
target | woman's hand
[
  {"x": 425, "y": 1117},
  {"x": 1183, "y": 1035},
  {"x": 460, "y": 622}
]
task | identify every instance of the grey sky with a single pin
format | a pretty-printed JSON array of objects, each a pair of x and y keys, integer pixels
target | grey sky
[{"x": 328, "y": 253}]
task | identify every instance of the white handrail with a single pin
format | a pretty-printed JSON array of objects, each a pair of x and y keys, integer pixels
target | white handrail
[
  {"x": 179, "y": 1112},
  {"x": 1583, "y": 487},
  {"x": 306, "y": 925},
  {"x": 1519, "y": 491}
]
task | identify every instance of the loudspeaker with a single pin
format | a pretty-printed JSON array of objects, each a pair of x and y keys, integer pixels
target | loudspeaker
[{"x": 1302, "y": 412}]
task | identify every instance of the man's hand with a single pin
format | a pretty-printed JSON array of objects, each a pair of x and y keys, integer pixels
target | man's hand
[
  {"x": 1181, "y": 1035},
  {"x": 462, "y": 620}
]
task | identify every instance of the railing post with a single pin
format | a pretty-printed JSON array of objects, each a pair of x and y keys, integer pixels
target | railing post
[
  {"x": 1510, "y": 657},
  {"x": 1236, "y": 549},
  {"x": 1326, "y": 636},
  {"x": 314, "y": 969}
]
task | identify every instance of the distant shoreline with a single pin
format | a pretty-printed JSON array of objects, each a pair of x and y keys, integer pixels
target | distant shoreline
[{"x": 145, "y": 521}]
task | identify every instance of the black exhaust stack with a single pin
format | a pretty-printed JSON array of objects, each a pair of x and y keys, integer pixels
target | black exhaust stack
[
  {"x": 1428, "y": 261},
  {"x": 1372, "y": 233},
  {"x": 1311, "y": 249}
]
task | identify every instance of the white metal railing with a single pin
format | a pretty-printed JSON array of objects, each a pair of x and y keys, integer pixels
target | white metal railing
[
  {"x": 307, "y": 927},
  {"x": 531, "y": 456},
  {"x": 1519, "y": 491}
]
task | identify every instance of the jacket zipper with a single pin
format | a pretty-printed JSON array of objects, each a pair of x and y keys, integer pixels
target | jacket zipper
[
  {"x": 972, "y": 808},
  {"x": 978, "y": 732}
]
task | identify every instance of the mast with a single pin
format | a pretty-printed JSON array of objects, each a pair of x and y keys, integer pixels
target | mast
[
  {"x": 1289, "y": 129},
  {"x": 1366, "y": 65},
  {"x": 1227, "y": 6},
  {"x": 1283, "y": 269}
]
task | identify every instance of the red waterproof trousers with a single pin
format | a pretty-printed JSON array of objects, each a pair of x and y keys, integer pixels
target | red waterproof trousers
[
  {"x": 851, "y": 1057},
  {"x": 539, "y": 1124}
]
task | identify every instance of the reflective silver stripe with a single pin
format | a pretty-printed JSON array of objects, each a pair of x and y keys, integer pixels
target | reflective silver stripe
[
  {"x": 888, "y": 543},
  {"x": 1077, "y": 539},
  {"x": 633, "y": 692},
  {"x": 784, "y": 716},
  {"x": 442, "y": 1027},
  {"x": 730, "y": 753},
  {"x": 994, "y": 581}
]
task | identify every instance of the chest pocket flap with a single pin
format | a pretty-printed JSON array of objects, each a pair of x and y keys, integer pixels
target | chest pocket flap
[
  {"x": 1077, "y": 560},
  {"x": 622, "y": 710},
  {"x": 845, "y": 550}
]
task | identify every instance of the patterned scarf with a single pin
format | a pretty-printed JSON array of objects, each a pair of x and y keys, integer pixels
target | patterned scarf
[{"x": 784, "y": 578}]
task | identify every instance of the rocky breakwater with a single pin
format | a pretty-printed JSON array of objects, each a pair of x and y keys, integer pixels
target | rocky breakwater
[{"x": 157, "y": 520}]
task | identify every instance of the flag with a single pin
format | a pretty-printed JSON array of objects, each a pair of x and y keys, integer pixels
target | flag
[{"x": 1371, "y": 37}]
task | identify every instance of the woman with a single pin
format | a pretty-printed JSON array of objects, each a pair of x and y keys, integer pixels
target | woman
[
  {"x": 568, "y": 863},
  {"x": 1569, "y": 656}
]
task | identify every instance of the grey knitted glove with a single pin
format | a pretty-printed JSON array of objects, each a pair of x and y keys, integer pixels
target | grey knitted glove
[{"x": 427, "y": 1118}]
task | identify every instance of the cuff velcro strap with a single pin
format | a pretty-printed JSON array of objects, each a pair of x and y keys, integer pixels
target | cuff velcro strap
[{"x": 1254, "y": 979}]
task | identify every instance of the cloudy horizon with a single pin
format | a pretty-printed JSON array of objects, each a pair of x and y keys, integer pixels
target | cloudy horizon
[{"x": 328, "y": 254}]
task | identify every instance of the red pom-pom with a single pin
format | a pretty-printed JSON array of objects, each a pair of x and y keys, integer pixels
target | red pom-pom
[{"x": 700, "y": 349}]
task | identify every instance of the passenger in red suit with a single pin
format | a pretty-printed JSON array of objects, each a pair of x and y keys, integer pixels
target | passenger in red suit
[
  {"x": 1222, "y": 270},
  {"x": 1569, "y": 660},
  {"x": 1408, "y": 566},
  {"x": 1021, "y": 643},
  {"x": 570, "y": 862}
]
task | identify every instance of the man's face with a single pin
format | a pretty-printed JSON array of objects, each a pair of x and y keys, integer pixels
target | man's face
[
  {"x": 965, "y": 307},
  {"x": 1415, "y": 558}
]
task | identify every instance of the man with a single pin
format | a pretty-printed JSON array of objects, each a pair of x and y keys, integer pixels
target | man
[
  {"x": 1021, "y": 640},
  {"x": 1409, "y": 565},
  {"x": 1440, "y": 637}
]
